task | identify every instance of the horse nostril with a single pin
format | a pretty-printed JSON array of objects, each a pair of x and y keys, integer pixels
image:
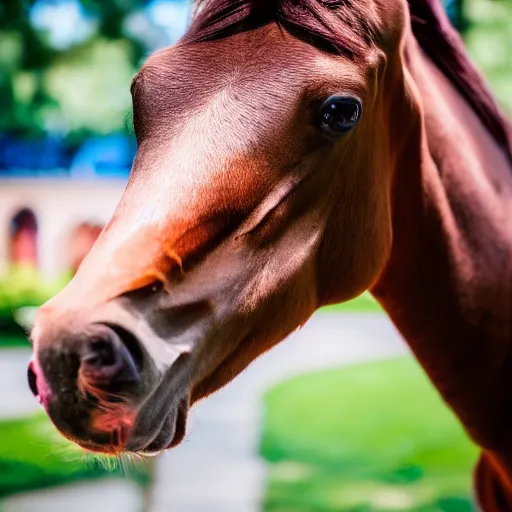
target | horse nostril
[
  {"x": 102, "y": 353},
  {"x": 32, "y": 379},
  {"x": 107, "y": 360}
]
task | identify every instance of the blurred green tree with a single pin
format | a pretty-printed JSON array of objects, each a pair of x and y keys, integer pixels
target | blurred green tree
[
  {"x": 22, "y": 51},
  {"x": 30, "y": 100},
  {"x": 458, "y": 15}
]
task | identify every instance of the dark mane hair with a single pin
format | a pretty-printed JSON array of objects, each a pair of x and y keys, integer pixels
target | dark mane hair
[
  {"x": 339, "y": 26},
  {"x": 443, "y": 45},
  {"x": 344, "y": 27}
]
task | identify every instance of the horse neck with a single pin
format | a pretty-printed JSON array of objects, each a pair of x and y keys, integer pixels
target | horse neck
[{"x": 448, "y": 282}]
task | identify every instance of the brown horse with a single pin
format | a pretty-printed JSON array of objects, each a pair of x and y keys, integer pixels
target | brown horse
[{"x": 291, "y": 154}]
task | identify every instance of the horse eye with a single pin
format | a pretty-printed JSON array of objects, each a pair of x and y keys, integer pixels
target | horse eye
[{"x": 339, "y": 114}]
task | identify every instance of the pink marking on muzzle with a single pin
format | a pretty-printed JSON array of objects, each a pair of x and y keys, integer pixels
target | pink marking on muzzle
[
  {"x": 37, "y": 382},
  {"x": 118, "y": 422}
]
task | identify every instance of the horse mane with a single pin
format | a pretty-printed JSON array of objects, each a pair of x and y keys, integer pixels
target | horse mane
[
  {"x": 346, "y": 27},
  {"x": 338, "y": 26},
  {"x": 445, "y": 48}
]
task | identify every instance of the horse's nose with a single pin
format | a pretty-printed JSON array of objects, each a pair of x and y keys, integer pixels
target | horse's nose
[
  {"x": 106, "y": 361},
  {"x": 32, "y": 379}
]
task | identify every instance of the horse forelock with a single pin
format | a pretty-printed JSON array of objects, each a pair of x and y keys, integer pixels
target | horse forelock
[{"x": 337, "y": 26}]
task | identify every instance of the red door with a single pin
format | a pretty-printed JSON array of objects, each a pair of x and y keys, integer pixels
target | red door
[
  {"x": 23, "y": 238},
  {"x": 82, "y": 239}
]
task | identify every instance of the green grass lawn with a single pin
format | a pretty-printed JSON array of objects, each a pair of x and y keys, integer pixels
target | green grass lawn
[
  {"x": 13, "y": 341},
  {"x": 370, "y": 438},
  {"x": 33, "y": 454},
  {"x": 365, "y": 303}
]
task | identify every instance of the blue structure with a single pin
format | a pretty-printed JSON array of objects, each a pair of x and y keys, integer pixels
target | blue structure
[
  {"x": 51, "y": 156},
  {"x": 104, "y": 156}
]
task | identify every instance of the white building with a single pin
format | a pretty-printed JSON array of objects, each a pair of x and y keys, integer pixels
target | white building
[{"x": 59, "y": 205}]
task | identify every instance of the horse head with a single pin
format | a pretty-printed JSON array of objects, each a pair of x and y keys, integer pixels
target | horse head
[{"x": 260, "y": 191}]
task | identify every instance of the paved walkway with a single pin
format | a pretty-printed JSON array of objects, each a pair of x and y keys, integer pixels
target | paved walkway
[
  {"x": 16, "y": 400},
  {"x": 217, "y": 468},
  {"x": 107, "y": 495}
]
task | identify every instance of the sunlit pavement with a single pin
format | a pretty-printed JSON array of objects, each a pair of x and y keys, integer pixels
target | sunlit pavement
[
  {"x": 217, "y": 468},
  {"x": 16, "y": 400},
  {"x": 108, "y": 495}
]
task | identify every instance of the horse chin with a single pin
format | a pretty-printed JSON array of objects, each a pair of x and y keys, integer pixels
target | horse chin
[
  {"x": 169, "y": 436},
  {"x": 181, "y": 425}
]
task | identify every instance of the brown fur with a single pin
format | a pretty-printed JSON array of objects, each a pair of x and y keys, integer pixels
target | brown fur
[{"x": 268, "y": 220}]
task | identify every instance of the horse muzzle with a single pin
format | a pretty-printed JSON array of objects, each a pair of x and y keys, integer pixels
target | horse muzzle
[
  {"x": 98, "y": 359},
  {"x": 102, "y": 390}
]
